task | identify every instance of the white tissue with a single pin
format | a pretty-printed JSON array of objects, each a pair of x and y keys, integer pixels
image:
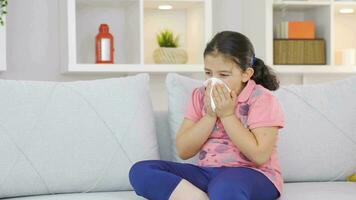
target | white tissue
[{"x": 213, "y": 82}]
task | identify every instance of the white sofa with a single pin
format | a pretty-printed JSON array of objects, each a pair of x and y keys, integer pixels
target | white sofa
[{"x": 77, "y": 140}]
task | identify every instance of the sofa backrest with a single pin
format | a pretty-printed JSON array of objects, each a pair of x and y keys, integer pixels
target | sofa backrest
[
  {"x": 78, "y": 136},
  {"x": 82, "y": 136},
  {"x": 318, "y": 142},
  {"x": 163, "y": 136}
]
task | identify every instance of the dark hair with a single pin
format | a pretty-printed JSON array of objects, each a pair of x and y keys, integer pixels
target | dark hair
[{"x": 238, "y": 48}]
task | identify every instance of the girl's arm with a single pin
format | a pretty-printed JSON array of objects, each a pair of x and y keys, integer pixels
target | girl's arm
[
  {"x": 257, "y": 145},
  {"x": 191, "y": 136}
]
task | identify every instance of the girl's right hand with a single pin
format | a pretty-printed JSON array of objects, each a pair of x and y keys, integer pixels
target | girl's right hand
[{"x": 207, "y": 104}]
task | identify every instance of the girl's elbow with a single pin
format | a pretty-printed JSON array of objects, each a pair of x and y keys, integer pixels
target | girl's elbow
[
  {"x": 183, "y": 155},
  {"x": 260, "y": 160},
  {"x": 183, "y": 152},
  {"x": 259, "y": 163}
]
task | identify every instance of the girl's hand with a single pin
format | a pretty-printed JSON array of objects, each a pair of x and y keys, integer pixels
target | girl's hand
[
  {"x": 224, "y": 101},
  {"x": 207, "y": 104}
]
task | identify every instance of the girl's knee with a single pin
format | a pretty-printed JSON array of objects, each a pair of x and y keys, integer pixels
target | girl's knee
[
  {"x": 139, "y": 172},
  {"x": 141, "y": 167}
]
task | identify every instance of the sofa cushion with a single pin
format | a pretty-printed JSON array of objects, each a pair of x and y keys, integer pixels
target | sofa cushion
[
  {"x": 58, "y": 137},
  {"x": 122, "y": 195},
  {"x": 179, "y": 89},
  {"x": 318, "y": 142},
  {"x": 319, "y": 191},
  {"x": 292, "y": 191},
  {"x": 163, "y": 136}
]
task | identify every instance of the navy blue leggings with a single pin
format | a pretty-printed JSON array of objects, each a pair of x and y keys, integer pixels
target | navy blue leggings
[{"x": 156, "y": 180}]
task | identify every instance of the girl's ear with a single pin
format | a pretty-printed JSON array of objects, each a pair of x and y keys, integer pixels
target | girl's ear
[{"x": 247, "y": 74}]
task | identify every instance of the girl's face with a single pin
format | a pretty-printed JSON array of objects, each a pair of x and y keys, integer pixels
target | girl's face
[{"x": 228, "y": 71}]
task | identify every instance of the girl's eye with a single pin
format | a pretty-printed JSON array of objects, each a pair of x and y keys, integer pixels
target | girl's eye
[
  {"x": 207, "y": 73},
  {"x": 224, "y": 75}
]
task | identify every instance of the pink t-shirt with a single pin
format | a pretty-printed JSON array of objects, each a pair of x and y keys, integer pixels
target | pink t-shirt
[{"x": 255, "y": 107}]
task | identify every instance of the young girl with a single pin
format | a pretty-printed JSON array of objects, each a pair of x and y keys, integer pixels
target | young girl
[{"x": 236, "y": 142}]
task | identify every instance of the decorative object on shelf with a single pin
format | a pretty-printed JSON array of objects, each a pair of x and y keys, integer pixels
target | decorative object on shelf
[
  {"x": 295, "y": 30},
  {"x": 168, "y": 52},
  {"x": 3, "y": 12},
  {"x": 348, "y": 56},
  {"x": 299, "y": 52},
  {"x": 104, "y": 45}
]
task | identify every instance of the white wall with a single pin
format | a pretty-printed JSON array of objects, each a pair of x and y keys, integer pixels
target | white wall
[
  {"x": 227, "y": 15},
  {"x": 33, "y": 42}
]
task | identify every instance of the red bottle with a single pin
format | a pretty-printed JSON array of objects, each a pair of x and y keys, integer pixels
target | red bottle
[{"x": 104, "y": 45}]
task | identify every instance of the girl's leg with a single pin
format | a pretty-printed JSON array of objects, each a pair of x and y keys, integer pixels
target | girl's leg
[
  {"x": 241, "y": 183},
  {"x": 157, "y": 179},
  {"x": 187, "y": 191}
]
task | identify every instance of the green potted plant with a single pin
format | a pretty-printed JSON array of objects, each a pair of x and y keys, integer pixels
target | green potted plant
[
  {"x": 3, "y": 4},
  {"x": 168, "y": 51}
]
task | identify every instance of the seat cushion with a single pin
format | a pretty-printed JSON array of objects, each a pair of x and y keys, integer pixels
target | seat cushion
[
  {"x": 122, "y": 195},
  {"x": 82, "y": 136},
  {"x": 319, "y": 191},
  {"x": 293, "y": 191}
]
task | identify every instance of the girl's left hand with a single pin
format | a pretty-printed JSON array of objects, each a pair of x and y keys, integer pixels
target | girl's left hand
[{"x": 224, "y": 101}]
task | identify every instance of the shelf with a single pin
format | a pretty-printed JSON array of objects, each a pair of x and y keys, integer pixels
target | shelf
[
  {"x": 113, "y": 68},
  {"x": 345, "y": 3},
  {"x": 177, "y": 1},
  {"x": 317, "y": 11},
  {"x": 322, "y": 13},
  {"x": 176, "y": 4},
  {"x": 279, "y": 69},
  {"x": 124, "y": 24},
  {"x": 185, "y": 20},
  {"x": 314, "y": 69},
  {"x": 344, "y": 30},
  {"x": 299, "y": 5},
  {"x": 105, "y": 3},
  {"x": 339, "y": 5},
  {"x": 133, "y": 24},
  {"x": 3, "y": 47}
]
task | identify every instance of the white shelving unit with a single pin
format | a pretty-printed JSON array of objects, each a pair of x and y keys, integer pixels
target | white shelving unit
[
  {"x": 3, "y": 47},
  {"x": 344, "y": 29},
  {"x": 337, "y": 29},
  {"x": 133, "y": 24}
]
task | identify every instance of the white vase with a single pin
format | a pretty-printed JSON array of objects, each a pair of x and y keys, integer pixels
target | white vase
[
  {"x": 348, "y": 56},
  {"x": 166, "y": 55}
]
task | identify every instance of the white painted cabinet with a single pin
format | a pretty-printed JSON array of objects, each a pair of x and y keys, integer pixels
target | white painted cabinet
[
  {"x": 337, "y": 29},
  {"x": 134, "y": 25}
]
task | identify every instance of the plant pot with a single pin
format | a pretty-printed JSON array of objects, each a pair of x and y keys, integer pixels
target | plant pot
[{"x": 166, "y": 55}]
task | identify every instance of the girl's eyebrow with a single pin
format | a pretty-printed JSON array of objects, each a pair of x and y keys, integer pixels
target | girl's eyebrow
[
  {"x": 206, "y": 69},
  {"x": 225, "y": 71}
]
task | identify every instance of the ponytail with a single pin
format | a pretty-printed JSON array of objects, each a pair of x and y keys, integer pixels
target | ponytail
[{"x": 264, "y": 75}]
